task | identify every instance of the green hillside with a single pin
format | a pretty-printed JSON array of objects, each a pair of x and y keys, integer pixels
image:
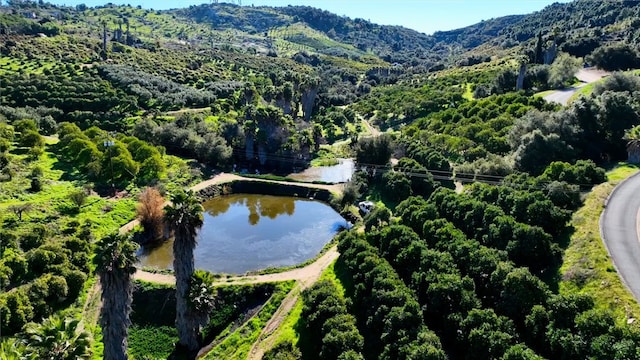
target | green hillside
[{"x": 481, "y": 241}]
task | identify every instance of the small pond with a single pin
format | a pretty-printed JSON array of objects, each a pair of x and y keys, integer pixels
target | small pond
[
  {"x": 338, "y": 173},
  {"x": 252, "y": 232}
]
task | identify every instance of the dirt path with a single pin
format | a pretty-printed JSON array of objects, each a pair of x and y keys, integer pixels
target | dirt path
[
  {"x": 373, "y": 131},
  {"x": 183, "y": 111},
  {"x": 225, "y": 178},
  {"x": 310, "y": 275},
  {"x": 301, "y": 274},
  {"x": 304, "y": 277}
]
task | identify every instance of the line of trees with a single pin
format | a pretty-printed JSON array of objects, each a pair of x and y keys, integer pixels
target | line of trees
[
  {"x": 330, "y": 328},
  {"x": 384, "y": 306}
]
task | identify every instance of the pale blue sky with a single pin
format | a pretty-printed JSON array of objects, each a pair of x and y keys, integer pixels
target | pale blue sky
[{"x": 423, "y": 15}]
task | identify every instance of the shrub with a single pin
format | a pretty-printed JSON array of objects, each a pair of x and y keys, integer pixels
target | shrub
[
  {"x": 31, "y": 138},
  {"x": 75, "y": 281},
  {"x": 35, "y": 238},
  {"x": 150, "y": 213},
  {"x": 36, "y": 184},
  {"x": 283, "y": 351},
  {"x": 78, "y": 198},
  {"x": 18, "y": 311}
]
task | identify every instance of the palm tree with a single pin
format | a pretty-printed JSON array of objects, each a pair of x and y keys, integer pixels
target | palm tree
[
  {"x": 115, "y": 260},
  {"x": 633, "y": 144},
  {"x": 58, "y": 339},
  {"x": 184, "y": 217},
  {"x": 12, "y": 349}
]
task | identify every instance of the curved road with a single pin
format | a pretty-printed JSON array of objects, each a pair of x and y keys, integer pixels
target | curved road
[
  {"x": 586, "y": 76},
  {"x": 619, "y": 230}
]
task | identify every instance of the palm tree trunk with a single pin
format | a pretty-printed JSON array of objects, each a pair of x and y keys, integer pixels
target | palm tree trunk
[
  {"x": 116, "y": 307},
  {"x": 183, "y": 266}
]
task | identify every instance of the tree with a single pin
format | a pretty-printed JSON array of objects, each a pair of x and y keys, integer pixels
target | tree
[
  {"x": 618, "y": 112},
  {"x": 617, "y": 82},
  {"x": 374, "y": 151},
  {"x": 31, "y": 138},
  {"x": 376, "y": 218},
  {"x": 19, "y": 209},
  {"x": 58, "y": 338},
  {"x": 397, "y": 185},
  {"x": 115, "y": 263},
  {"x": 539, "y": 54},
  {"x": 633, "y": 144},
  {"x": 283, "y": 351},
  {"x": 618, "y": 56},
  {"x": 537, "y": 150},
  {"x": 202, "y": 295},
  {"x": 563, "y": 70},
  {"x": 184, "y": 217},
  {"x": 521, "y": 292},
  {"x": 520, "y": 352}
]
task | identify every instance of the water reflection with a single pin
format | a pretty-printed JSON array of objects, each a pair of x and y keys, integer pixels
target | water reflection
[
  {"x": 338, "y": 173},
  {"x": 251, "y": 232},
  {"x": 258, "y": 206}
]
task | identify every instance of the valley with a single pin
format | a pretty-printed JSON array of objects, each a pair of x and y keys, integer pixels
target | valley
[{"x": 232, "y": 144}]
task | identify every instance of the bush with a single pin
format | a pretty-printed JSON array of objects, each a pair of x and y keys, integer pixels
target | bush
[
  {"x": 36, "y": 184},
  {"x": 78, "y": 198},
  {"x": 35, "y": 238},
  {"x": 18, "y": 311},
  {"x": 150, "y": 212},
  {"x": 31, "y": 138},
  {"x": 152, "y": 342},
  {"x": 283, "y": 351},
  {"x": 75, "y": 281}
]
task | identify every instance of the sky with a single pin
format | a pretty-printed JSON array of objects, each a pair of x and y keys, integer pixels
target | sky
[{"x": 425, "y": 16}]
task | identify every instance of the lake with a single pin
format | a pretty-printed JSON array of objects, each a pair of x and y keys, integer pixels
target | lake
[{"x": 252, "y": 232}]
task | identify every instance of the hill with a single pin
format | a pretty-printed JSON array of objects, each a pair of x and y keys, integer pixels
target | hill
[{"x": 99, "y": 104}]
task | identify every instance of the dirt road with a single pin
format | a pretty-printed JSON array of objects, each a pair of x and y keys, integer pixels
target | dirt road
[
  {"x": 301, "y": 274},
  {"x": 304, "y": 277}
]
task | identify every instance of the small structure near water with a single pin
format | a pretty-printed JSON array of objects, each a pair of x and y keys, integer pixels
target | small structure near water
[{"x": 366, "y": 206}]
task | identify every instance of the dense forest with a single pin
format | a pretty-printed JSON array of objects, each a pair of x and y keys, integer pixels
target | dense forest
[{"x": 481, "y": 189}]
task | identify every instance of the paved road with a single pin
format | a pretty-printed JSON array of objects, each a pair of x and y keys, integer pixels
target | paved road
[
  {"x": 619, "y": 228},
  {"x": 563, "y": 96},
  {"x": 586, "y": 76}
]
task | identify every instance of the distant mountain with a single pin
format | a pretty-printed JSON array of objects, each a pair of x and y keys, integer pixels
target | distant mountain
[{"x": 577, "y": 27}]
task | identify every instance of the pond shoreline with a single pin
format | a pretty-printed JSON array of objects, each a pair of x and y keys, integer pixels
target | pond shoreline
[
  {"x": 257, "y": 187},
  {"x": 266, "y": 187},
  {"x": 224, "y": 185}
]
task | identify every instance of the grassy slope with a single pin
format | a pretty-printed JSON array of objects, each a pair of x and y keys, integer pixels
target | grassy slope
[
  {"x": 50, "y": 205},
  {"x": 290, "y": 329},
  {"x": 587, "y": 267},
  {"x": 238, "y": 344}
]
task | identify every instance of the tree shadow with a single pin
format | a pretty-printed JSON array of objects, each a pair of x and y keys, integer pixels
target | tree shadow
[
  {"x": 68, "y": 209},
  {"x": 305, "y": 342},
  {"x": 69, "y": 171},
  {"x": 552, "y": 276}
]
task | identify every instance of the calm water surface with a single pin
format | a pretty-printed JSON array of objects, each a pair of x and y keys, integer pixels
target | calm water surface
[
  {"x": 339, "y": 173},
  {"x": 251, "y": 232}
]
